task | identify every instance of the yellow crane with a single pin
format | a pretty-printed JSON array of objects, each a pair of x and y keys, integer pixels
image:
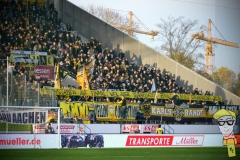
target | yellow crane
[
  {"x": 130, "y": 29},
  {"x": 209, "y": 41}
]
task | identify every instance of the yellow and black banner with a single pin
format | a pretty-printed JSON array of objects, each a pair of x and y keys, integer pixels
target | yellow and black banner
[
  {"x": 126, "y": 94},
  {"x": 192, "y": 111},
  {"x": 32, "y": 60},
  {"x": 46, "y": 60},
  {"x": 109, "y": 111},
  {"x": 82, "y": 78},
  {"x": 40, "y": 2},
  {"x": 26, "y": 60}
]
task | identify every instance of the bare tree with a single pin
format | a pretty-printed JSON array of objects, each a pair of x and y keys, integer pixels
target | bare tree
[
  {"x": 177, "y": 44},
  {"x": 113, "y": 17}
]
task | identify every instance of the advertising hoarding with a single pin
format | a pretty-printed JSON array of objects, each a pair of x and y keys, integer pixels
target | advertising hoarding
[
  {"x": 45, "y": 72},
  {"x": 28, "y": 141},
  {"x": 110, "y": 140}
]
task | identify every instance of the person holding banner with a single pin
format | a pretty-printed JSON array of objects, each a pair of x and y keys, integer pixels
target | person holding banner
[{"x": 123, "y": 103}]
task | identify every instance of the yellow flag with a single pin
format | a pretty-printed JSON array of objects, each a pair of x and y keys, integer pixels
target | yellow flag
[
  {"x": 82, "y": 78},
  {"x": 57, "y": 77},
  {"x": 85, "y": 85}
]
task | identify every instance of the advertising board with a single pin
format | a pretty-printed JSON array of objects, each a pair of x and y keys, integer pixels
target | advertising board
[
  {"x": 164, "y": 140},
  {"x": 110, "y": 140},
  {"x": 131, "y": 128},
  {"x": 28, "y": 141},
  {"x": 45, "y": 72}
]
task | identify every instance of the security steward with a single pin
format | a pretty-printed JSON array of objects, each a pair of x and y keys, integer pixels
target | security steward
[{"x": 159, "y": 130}]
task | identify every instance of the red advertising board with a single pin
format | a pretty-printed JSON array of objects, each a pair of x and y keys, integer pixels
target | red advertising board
[
  {"x": 150, "y": 127},
  {"x": 45, "y": 72},
  {"x": 165, "y": 140},
  {"x": 151, "y": 140},
  {"x": 131, "y": 128}
]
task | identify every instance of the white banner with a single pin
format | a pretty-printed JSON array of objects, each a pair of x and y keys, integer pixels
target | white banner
[
  {"x": 24, "y": 117},
  {"x": 27, "y": 52},
  {"x": 11, "y": 141}
]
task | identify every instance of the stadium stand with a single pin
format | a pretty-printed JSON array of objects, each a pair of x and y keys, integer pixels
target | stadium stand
[{"x": 34, "y": 27}]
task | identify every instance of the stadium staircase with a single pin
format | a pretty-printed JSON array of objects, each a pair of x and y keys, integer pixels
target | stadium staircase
[
  {"x": 84, "y": 129},
  {"x": 68, "y": 78}
]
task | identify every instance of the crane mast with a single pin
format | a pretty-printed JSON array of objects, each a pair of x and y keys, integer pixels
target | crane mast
[{"x": 209, "y": 56}]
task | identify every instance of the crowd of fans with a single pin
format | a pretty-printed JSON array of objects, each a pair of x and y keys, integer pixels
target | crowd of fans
[{"x": 34, "y": 27}]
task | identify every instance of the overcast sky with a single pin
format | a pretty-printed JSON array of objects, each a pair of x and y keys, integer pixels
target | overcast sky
[{"x": 225, "y": 15}]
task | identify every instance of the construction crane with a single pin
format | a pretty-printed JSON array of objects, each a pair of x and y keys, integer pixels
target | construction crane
[
  {"x": 130, "y": 29},
  {"x": 209, "y": 41}
]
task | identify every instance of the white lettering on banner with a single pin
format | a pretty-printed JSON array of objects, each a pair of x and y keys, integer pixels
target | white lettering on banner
[
  {"x": 65, "y": 128},
  {"x": 194, "y": 113},
  {"x": 44, "y": 71},
  {"x": 27, "y": 52},
  {"x": 214, "y": 109},
  {"x": 130, "y": 128},
  {"x": 132, "y": 111},
  {"x": 22, "y": 60},
  {"x": 150, "y": 128},
  {"x": 149, "y": 141},
  {"x": 161, "y": 111},
  {"x": 39, "y": 71},
  {"x": 101, "y": 110},
  {"x": 188, "y": 140}
]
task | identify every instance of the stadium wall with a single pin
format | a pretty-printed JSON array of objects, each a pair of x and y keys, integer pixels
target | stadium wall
[
  {"x": 141, "y": 128},
  {"x": 89, "y": 25}
]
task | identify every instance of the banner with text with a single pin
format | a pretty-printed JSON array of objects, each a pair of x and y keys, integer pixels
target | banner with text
[
  {"x": 45, "y": 72},
  {"x": 109, "y": 111},
  {"x": 24, "y": 117},
  {"x": 31, "y": 60},
  {"x": 127, "y": 94},
  {"x": 193, "y": 111}
]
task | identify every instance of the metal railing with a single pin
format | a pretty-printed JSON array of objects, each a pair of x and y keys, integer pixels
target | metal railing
[
  {"x": 23, "y": 93},
  {"x": 84, "y": 127},
  {"x": 168, "y": 131},
  {"x": 73, "y": 75}
]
